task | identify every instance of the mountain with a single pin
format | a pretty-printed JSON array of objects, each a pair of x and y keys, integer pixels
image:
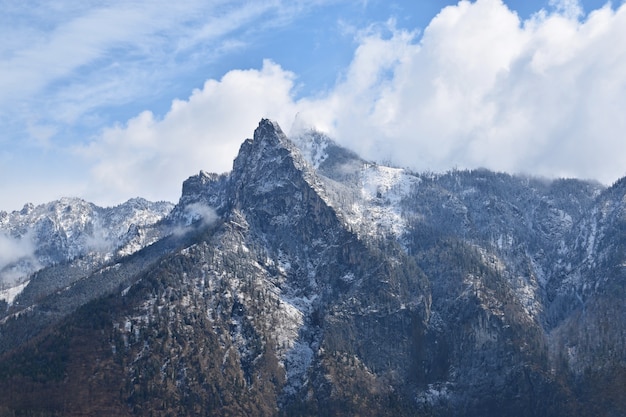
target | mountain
[
  {"x": 51, "y": 252},
  {"x": 62, "y": 231},
  {"x": 308, "y": 281}
]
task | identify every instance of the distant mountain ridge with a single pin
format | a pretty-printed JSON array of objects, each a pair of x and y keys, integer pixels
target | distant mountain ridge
[
  {"x": 69, "y": 228},
  {"x": 308, "y": 281}
]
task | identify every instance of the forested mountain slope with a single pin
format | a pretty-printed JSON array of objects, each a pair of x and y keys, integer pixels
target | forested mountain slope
[{"x": 308, "y": 281}]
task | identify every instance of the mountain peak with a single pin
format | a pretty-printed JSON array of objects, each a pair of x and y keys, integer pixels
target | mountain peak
[
  {"x": 269, "y": 149},
  {"x": 268, "y": 129}
]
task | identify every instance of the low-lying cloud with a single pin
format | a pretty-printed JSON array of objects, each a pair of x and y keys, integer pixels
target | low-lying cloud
[
  {"x": 12, "y": 251},
  {"x": 479, "y": 88},
  {"x": 199, "y": 212},
  {"x": 193, "y": 216}
]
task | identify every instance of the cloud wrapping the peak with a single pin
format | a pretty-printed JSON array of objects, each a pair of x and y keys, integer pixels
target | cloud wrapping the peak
[
  {"x": 483, "y": 89},
  {"x": 479, "y": 88}
]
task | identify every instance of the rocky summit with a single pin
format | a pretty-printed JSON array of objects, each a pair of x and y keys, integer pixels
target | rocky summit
[{"x": 308, "y": 282}]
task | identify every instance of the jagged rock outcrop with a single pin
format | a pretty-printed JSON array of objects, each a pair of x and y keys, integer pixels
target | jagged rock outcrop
[{"x": 310, "y": 282}]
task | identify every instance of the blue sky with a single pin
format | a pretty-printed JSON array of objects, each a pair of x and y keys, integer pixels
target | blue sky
[{"x": 108, "y": 100}]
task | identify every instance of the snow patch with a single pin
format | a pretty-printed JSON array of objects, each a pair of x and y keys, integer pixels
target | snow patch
[
  {"x": 382, "y": 191},
  {"x": 312, "y": 144},
  {"x": 9, "y": 294}
]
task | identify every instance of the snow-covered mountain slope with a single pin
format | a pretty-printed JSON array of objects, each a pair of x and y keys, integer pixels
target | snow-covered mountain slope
[
  {"x": 64, "y": 230},
  {"x": 308, "y": 281}
]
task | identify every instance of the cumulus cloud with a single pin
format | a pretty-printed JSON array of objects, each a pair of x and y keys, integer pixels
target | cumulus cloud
[
  {"x": 482, "y": 88},
  {"x": 478, "y": 88}
]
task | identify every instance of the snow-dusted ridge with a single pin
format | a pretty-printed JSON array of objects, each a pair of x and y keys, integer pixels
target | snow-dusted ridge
[
  {"x": 375, "y": 192},
  {"x": 383, "y": 190},
  {"x": 67, "y": 229}
]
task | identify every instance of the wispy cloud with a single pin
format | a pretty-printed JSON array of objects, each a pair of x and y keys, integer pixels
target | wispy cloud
[
  {"x": 72, "y": 43},
  {"x": 62, "y": 62}
]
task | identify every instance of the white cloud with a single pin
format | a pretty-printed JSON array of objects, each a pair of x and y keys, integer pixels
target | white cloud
[
  {"x": 14, "y": 249},
  {"x": 199, "y": 211},
  {"x": 75, "y": 41},
  {"x": 480, "y": 88}
]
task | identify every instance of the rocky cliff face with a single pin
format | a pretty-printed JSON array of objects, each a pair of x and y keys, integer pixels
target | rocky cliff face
[{"x": 310, "y": 282}]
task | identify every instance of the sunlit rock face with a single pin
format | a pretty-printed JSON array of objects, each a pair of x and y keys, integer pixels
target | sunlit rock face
[{"x": 308, "y": 281}]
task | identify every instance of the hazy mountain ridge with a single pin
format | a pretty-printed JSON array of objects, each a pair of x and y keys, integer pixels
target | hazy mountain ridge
[{"x": 310, "y": 282}]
